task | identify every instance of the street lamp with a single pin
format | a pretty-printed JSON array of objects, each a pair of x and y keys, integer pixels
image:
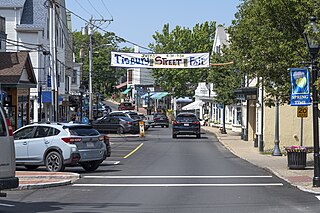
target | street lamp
[
  {"x": 276, "y": 149},
  {"x": 313, "y": 47}
]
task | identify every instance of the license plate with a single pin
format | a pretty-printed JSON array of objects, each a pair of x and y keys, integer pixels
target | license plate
[
  {"x": 186, "y": 124},
  {"x": 90, "y": 144}
]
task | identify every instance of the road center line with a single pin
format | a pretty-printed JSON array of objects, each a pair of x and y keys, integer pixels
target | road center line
[
  {"x": 133, "y": 151},
  {"x": 180, "y": 185},
  {"x": 177, "y": 177}
]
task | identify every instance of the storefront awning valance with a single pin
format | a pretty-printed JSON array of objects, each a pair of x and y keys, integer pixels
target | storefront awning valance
[
  {"x": 126, "y": 91},
  {"x": 46, "y": 97}
]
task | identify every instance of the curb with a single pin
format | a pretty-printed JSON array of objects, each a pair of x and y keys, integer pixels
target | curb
[
  {"x": 43, "y": 181},
  {"x": 42, "y": 185}
]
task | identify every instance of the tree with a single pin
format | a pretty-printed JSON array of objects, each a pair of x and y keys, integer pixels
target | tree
[
  {"x": 182, "y": 82},
  {"x": 225, "y": 80},
  {"x": 267, "y": 39},
  {"x": 104, "y": 77}
]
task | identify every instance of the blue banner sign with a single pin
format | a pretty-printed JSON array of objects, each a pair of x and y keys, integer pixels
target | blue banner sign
[{"x": 300, "y": 87}]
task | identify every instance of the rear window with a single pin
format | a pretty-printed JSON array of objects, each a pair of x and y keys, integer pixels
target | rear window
[
  {"x": 159, "y": 115},
  {"x": 83, "y": 131},
  {"x": 187, "y": 117},
  {"x": 127, "y": 104}
]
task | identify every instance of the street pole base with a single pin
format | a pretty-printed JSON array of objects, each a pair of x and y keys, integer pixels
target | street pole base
[{"x": 316, "y": 181}]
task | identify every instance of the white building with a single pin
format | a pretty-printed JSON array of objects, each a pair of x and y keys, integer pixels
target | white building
[{"x": 27, "y": 28}]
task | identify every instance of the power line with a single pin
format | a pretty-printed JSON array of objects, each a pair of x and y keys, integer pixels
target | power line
[
  {"x": 127, "y": 41},
  {"x": 107, "y": 9},
  {"x": 95, "y": 8},
  {"x": 83, "y": 8}
]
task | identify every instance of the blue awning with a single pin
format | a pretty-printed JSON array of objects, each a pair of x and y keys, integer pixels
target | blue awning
[
  {"x": 159, "y": 95},
  {"x": 126, "y": 91},
  {"x": 47, "y": 97},
  {"x": 146, "y": 95}
]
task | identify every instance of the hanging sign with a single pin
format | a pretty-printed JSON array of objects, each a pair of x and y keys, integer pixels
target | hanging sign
[
  {"x": 300, "y": 87},
  {"x": 136, "y": 60}
]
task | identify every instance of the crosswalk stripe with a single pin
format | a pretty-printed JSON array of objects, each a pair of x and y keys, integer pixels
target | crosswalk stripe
[
  {"x": 176, "y": 177},
  {"x": 180, "y": 185}
]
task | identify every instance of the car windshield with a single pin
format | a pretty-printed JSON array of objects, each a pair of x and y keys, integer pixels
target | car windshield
[
  {"x": 187, "y": 117},
  {"x": 127, "y": 104},
  {"x": 83, "y": 131},
  {"x": 159, "y": 115}
]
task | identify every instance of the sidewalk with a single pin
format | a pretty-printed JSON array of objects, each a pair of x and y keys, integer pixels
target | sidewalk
[
  {"x": 302, "y": 179},
  {"x": 37, "y": 180}
]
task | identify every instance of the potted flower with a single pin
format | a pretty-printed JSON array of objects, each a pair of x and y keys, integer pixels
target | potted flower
[{"x": 297, "y": 157}]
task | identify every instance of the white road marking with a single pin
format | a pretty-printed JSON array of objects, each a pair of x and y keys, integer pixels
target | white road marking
[
  {"x": 6, "y": 205},
  {"x": 178, "y": 177},
  {"x": 318, "y": 197},
  {"x": 112, "y": 162},
  {"x": 180, "y": 185}
]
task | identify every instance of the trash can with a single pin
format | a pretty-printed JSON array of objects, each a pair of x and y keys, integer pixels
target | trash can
[{"x": 297, "y": 157}]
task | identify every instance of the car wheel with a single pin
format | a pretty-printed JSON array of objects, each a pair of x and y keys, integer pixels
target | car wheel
[
  {"x": 31, "y": 167},
  {"x": 162, "y": 126},
  {"x": 54, "y": 162},
  {"x": 120, "y": 130},
  {"x": 174, "y": 136},
  {"x": 198, "y": 135},
  {"x": 167, "y": 126},
  {"x": 91, "y": 165}
]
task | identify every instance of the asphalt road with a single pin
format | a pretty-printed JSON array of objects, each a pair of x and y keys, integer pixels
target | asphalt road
[{"x": 159, "y": 174}]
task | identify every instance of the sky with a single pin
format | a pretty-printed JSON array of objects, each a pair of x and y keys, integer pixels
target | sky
[{"x": 137, "y": 20}]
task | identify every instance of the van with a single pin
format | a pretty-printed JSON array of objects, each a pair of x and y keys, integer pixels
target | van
[{"x": 8, "y": 179}]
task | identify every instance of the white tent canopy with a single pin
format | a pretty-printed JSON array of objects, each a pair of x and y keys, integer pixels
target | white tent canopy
[{"x": 193, "y": 105}]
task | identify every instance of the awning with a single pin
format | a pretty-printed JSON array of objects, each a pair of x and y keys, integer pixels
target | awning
[
  {"x": 126, "y": 91},
  {"x": 184, "y": 100},
  {"x": 121, "y": 85},
  {"x": 193, "y": 105},
  {"x": 159, "y": 95},
  {"x": 146, "y": 95},
  {"x": 46, "y": 97}
]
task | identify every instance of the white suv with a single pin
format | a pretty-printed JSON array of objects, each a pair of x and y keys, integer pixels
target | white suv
[
  {"x": 59, "y": 145},
  {"x": 7, "y": 156}
]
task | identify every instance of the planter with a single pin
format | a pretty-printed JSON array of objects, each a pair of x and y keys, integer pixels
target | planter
[{"x": 297, "y": 157}]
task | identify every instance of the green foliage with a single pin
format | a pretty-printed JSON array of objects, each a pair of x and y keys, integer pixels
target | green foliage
[
  {"x": 183, "y": 82},
  {"x": 224, "y": 78},
  {"x": 267, "y": 39},
  {"x": 104, "y": 77}
]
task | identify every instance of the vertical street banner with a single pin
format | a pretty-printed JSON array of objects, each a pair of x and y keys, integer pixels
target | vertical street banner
[
  {"x": 300, "y": 87},
  {"x": 147, "y": 60}
]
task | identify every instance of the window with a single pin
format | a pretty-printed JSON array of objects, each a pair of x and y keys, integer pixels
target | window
[
  {"x": 74, "y": 77},
  {"x": 41, "y": 132},
  {"x": 53, "y": 132},
  {"x": 3, "y": 130},
  {"x": 24, "y": 133}
]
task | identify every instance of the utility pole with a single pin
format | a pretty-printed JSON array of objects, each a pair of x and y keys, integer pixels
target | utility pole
[
  {"x": 52, "y": 38},
  {"x": 90, "y": 26}
]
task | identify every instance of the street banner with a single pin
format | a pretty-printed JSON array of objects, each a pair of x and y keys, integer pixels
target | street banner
[
  {"x": 300, "y": 87},
  {"x": 141, "y": 60}
]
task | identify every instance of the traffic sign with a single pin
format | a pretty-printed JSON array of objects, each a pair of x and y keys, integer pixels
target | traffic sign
[{"x": 302, "y": 112}]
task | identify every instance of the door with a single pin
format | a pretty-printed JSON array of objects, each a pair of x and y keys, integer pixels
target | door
[
  {"x": 39, "y": 143},
  {"x": 21, "y": 140}
]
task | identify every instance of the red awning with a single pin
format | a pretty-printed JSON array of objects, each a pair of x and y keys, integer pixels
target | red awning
[{"x": 122, "y": 85}]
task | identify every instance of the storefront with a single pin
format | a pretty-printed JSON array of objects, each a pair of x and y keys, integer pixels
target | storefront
[{"x": 16, "y": 79}]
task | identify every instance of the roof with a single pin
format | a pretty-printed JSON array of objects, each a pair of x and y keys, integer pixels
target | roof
[
  {"x": 34, "y": 15},
  {"x": 16, "y": 69},
  {"x": 12, "y": 3}
]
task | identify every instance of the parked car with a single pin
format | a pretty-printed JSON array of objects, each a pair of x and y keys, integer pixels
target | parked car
[
  {"x": 8, "y": 179},
  {"x": 133, "y": 115},
  {"x": 57, "y": 145},
  {"x": 126, "y": 106},
  {"x": 160, "y": 119},
  {"x": 186, "y": 124},
  {"x": 119, "y": 124}
]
